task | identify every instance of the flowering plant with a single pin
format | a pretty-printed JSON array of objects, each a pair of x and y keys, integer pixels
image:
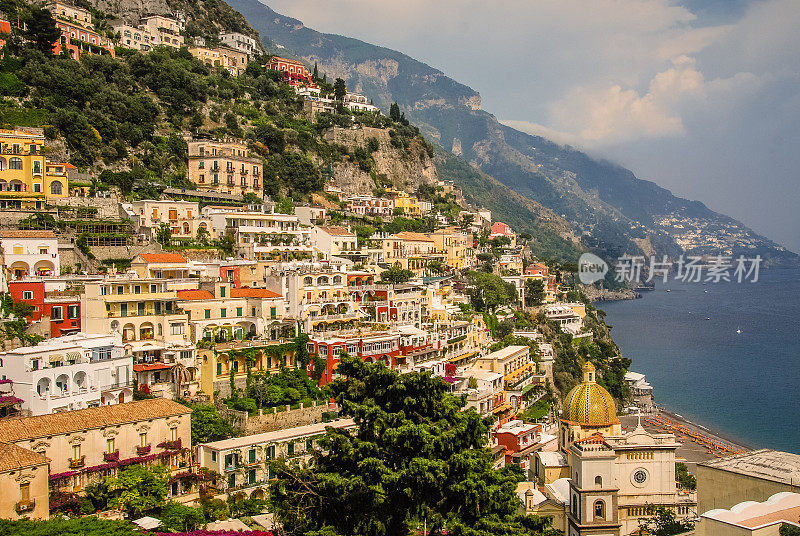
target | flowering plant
[
  {"x": 60, "y": 476},
  {"x": 203, "y": 532}
]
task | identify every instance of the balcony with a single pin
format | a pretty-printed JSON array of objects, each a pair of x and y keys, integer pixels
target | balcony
[
  {"x": 25, "y": 506},
  {"x": 143, "y": 451},
  {"x": 77, "y": 463},
  {"x": 111, "y": 456},
  {"x": 171, "y": 445}
]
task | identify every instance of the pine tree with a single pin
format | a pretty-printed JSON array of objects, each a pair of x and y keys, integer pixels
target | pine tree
[
  {"x": 42, "y": 30},
  {"x": 339, "y": 89},
  {"x": 315, "y": 74},
  {"x": 394, "y": 112}
]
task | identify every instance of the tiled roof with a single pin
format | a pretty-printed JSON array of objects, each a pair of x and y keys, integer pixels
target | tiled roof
[
  {"x": 195, "y": 295},
  {"x": 253, "y": 293},
  {"x": 27, "y": 234},
  {"x": 13, "y": 457},
  {"x": 82, "y": 419},
  {"x": 164, "y": 257},
  {"x": 418, "y": 237},
  {"x": 337, "y": 231}
]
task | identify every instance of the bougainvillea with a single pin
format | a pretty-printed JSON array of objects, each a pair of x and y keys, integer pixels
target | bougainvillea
[{"x": 203, "y": 532}]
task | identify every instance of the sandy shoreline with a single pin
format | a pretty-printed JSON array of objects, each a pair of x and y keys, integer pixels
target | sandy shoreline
[{"x": 695, "y": 438}]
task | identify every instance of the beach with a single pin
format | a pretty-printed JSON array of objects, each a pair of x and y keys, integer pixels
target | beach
[{"x": 698, "y": 443}]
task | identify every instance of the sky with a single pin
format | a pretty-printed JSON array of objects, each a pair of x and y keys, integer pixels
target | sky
[{"x": 700, "y": 96}]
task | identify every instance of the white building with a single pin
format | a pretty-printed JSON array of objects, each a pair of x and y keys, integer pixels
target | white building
[
  {"x": 334, "y": 242},
  {"x": 240, "y": 42},
  {"x": 260, "y": 235},
  {"x": 30, "y": 253},
  {"x": 72, "y": 372},
  {"x": 359, "y": 103}
]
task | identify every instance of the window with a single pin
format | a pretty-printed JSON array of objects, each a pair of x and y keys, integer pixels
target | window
[
  {"x": 55, "y": 188},
  {"x": 55, "y": 313},
  {"x": 223, "y": 313},
  {"x": 120, "y": 289},
  {"x": 213, "y": 455},
  {"x": 219, "y": 369},
  {"x": 137, "y": 289},
  {"x": 110, "y": 448},
  {"x": 173, "y": 433},
  {"x": 207, "y": 313},
  {"x": 15, "y": 163},
  {"x": 272, "y": 312},
  {"x": 143, "y": 439},
  {"x": 598, "y": 481},
  {"x": 599, "y": 509},
  {"x": 27, "y": 294},
  {"x": 290, "y": 448},
  {"x": 153, "y": 289},
  {"x": 238, "y": 311},
  {"x": 221, "y": 292},
  {"x": 73, "y": 311},
  {"x": 25, "y": 492},
  {"x": 37, "y": 187},
  {"x": 251, "y": 456},
  {"x": 253, "y": 311},
  {"x": 176, "y": 329},
  {"x": 76, "y": 452}
]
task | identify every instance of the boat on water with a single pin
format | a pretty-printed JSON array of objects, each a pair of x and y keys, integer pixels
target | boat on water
[{"x": 738, "y": 331}]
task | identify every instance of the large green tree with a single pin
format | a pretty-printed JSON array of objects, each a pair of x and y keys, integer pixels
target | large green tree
[
  {"x": 396, "y": 275},
  {"x": 41, "y": 29},
  {"x": 488, "y": 291},
  {"x": 139, "y": 488},
  {"x": 414, "y": 458},
  {"x": 339, "y": 89},
  {"x": 534, "y": 292},
  {"x": 208, "y": 425},
  {"x": 664, "y": 523}
]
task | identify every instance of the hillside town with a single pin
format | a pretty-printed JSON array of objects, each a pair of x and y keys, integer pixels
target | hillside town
[{"x": 201, "y": 345}]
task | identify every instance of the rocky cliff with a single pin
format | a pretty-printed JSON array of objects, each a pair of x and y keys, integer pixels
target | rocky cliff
[{"x": 402, "y": 169}]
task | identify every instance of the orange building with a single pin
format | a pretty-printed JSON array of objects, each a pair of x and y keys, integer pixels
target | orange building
[{"x": 76, "y": 40}]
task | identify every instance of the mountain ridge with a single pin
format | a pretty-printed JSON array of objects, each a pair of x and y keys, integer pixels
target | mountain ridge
[{"x": 612, "y": 210}]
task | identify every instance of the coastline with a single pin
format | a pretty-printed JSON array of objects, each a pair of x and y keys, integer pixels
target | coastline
[{"x": 691, "y": 452}]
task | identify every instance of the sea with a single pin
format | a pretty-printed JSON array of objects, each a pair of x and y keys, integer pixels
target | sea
[{"x": 745, "y": 386}]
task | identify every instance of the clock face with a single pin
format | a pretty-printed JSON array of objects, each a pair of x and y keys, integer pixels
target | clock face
[{"x": 640, "y": 476}]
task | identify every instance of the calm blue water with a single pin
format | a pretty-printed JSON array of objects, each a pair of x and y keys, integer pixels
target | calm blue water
[{"x": 747, "y": 385}]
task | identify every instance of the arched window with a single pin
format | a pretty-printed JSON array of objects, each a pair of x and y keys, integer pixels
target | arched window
[
  {"x": 598, "y": 481},
  {"x": 15, "y": 163},
  {"x": 307, "y": 281},
  {"x": 599, "y": 509},
  {"x": 3, "y": 164},
  {"x": 55, "y": 188}
]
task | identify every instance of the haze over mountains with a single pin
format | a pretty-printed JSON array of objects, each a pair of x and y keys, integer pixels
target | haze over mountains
[{"x": 605, "y": 205}]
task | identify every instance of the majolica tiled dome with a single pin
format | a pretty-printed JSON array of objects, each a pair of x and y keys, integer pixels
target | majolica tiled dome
[{"x": 588, "y": 403}]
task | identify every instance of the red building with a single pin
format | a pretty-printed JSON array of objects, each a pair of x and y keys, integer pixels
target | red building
[
  {"x": 370, "y": 347},
  {"x": 76, "y": 40},
  {"x": 5, "y": 28},
  {"x": 294, "y": 72},
  {"x": 232, "y": 274},
  {"x": 520, "y": 440},
  {"x": 62, "y": 311},
  {"x": 501, "y": 229}
]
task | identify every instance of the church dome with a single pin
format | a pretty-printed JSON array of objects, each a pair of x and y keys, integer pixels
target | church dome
[{"x": 589, "y": 403}]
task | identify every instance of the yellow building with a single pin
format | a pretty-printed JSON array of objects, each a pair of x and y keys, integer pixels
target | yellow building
[
  {"x": 24, "y": 183},
  {"x": 217, "y": 363},
  {"x": 231, "y": 60},
  {"x": 409, "y": 205},
  {"x": 224, "y": 166},
  {"x": 24, "y": 483},
  {"x": 77, "y": 442},
  {"x": 455, "y": 246}
]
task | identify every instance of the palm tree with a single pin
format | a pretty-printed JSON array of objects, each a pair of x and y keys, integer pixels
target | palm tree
[{"x": 180, "y": 375}]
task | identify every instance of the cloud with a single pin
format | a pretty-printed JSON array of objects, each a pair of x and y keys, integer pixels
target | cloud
[{"x": 612, "y": 113}]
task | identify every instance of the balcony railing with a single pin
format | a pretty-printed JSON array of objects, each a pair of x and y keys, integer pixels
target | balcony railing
[
  {"x": 142, "y": 451},
  {"x": 76, "y": 463},
  {"x": 26, "y": 506}
]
